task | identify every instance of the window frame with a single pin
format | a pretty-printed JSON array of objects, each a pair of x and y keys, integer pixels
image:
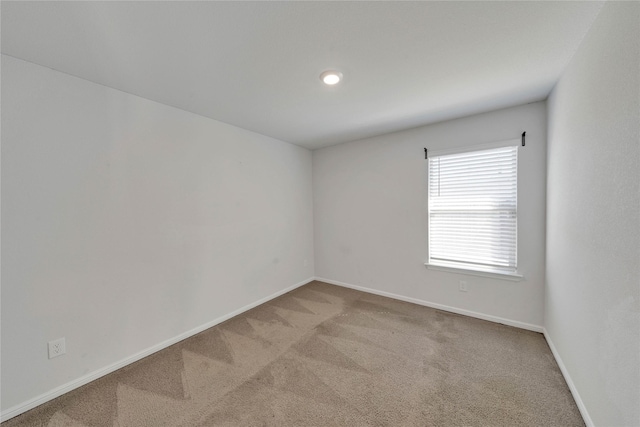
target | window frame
[{"x": 462, "y": 269}]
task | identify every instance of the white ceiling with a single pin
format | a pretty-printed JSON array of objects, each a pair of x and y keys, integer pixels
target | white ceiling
[{"x": 256, "y": 65}]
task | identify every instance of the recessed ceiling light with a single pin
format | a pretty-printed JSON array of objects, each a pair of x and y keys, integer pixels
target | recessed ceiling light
[{"x": 331, "y": 77}]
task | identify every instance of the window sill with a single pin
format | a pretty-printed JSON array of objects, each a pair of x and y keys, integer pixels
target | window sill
[{"x": 513, "y": 277}]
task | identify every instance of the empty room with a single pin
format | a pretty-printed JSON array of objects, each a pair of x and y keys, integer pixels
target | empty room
[{"x": 317, "y": 213}]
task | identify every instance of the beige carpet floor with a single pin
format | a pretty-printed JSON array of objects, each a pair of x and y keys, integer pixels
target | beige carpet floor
[{"x": 323, "y": 355}]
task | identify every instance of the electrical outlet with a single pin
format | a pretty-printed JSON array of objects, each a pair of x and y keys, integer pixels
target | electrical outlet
[
  {"x": 306, "y": 262},
  {"x": 57, "y": 348},
  {"x": 463, "y": 286}
]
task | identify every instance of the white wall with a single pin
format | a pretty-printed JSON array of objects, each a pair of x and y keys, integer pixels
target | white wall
[
  {"x": 370, "y": 214},
  {"x": 126, "y": 223},
  {"x": 592, "y": 311}
]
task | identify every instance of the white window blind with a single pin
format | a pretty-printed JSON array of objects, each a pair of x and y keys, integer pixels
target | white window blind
[{"x": 473, "y": 210}]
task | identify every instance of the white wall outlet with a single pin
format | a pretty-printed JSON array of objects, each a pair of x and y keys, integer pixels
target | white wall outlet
[
  {"x": 57, "y": 348},
  {"x": 306, "y": 262},
  {"x": 463, "y": 286}
]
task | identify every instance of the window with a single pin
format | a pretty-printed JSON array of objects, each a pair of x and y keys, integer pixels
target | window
[{"x": 473, "y": 209}]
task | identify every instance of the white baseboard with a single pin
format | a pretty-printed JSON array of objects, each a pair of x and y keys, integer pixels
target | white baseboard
[
  {"x": 490, "y": 318},
  {"x": 65, "y": 388},
  {"x": 572, "y": 387}
]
